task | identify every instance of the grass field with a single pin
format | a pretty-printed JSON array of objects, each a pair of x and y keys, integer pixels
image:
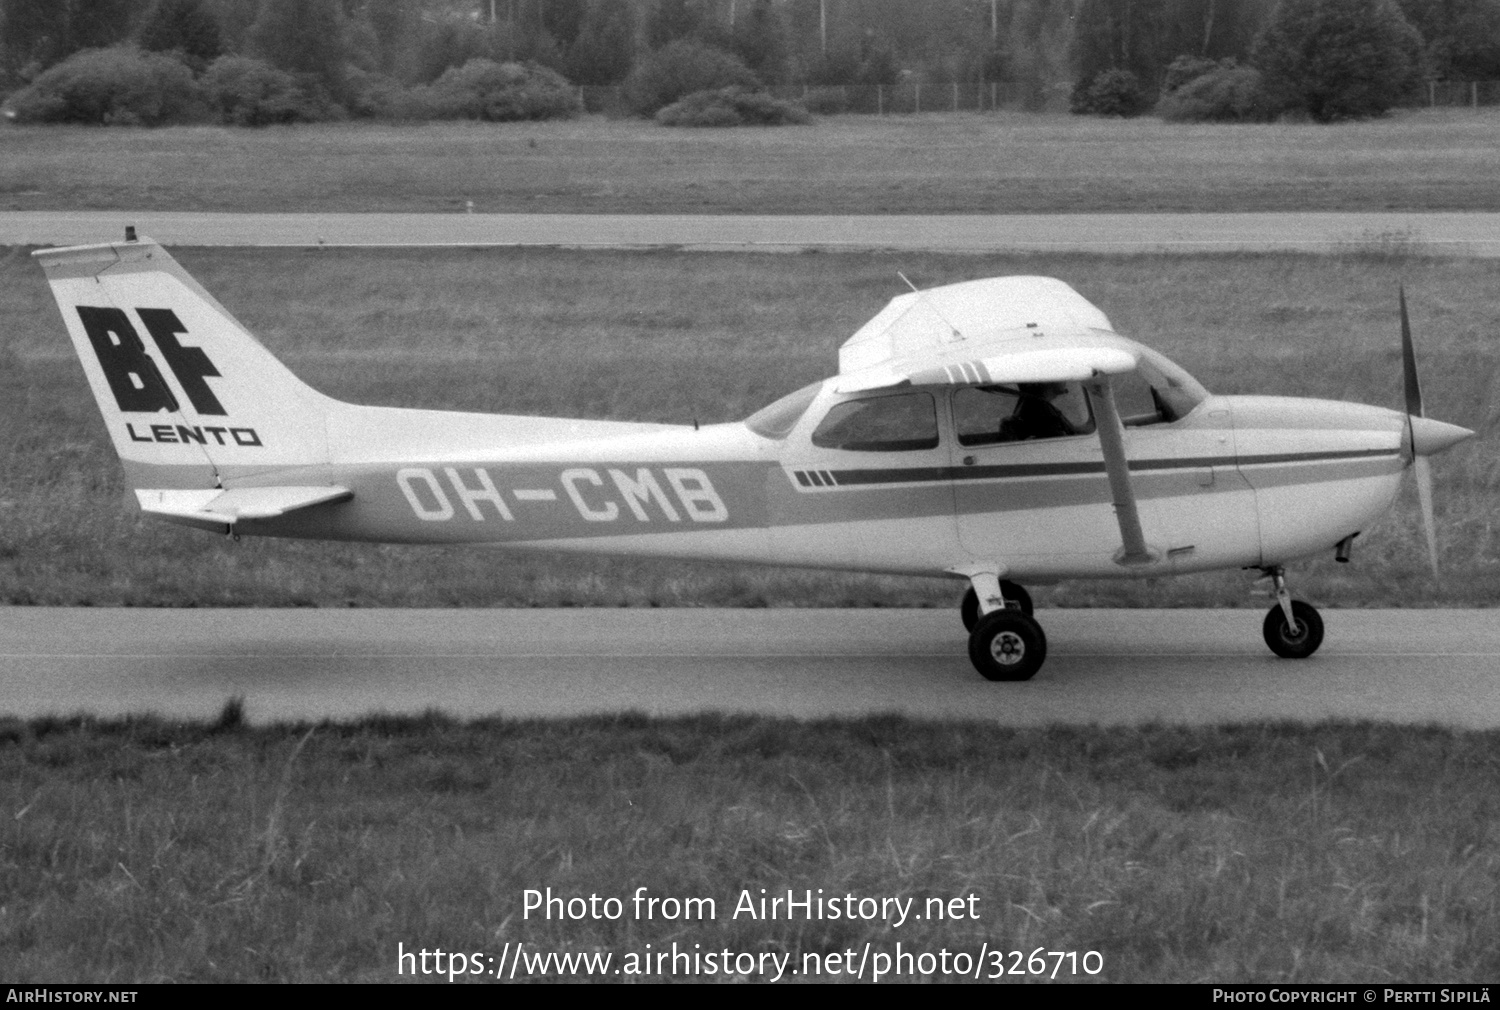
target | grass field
[
  {"x": 143, "y": 851},
  {"x": 962, "y": 163},
  {"x": 672, "y": 337}
]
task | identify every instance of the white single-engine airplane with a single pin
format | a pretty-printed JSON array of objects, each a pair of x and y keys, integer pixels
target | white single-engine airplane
[{"x": 997, "y": 431}]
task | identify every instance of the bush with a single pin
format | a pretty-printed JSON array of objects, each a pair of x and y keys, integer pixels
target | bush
[
  {"x": 248, "y": 92},
  {"x": 120, "y": 86},
  {"x": 1338, "y": 59},
  {"x": 681, "y": 68},
  {"x": 1109, "y": 93},
  {"x": 499, "y": 92},
  {"x": 827, "y": 101},
  {"x": 1186, "y": 68},
  {"x": 368, "y": 95},
  {"x": 732, "y": 107},
  {"x": 396, "y": 102},
  {"x": 1224, "y": 93}
]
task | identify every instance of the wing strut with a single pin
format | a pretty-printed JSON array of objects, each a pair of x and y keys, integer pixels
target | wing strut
[{"x": 1112, "y": 441}]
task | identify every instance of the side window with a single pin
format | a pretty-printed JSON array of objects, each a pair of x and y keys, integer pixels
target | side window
[
  {"x": 880, "y": 424},
  {"x": 984, "y": 415}
]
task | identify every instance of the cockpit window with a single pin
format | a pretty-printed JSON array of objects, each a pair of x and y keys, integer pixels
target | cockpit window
[
  {"x": 984, "y": 415},
  {"x": 776, "y": 420},
  {"x": 880, "y": 424},
  {"x": 1154, "y": 395},
  {"x": 1136, "y": 400},
  {"x": 1174, "y": 393}
]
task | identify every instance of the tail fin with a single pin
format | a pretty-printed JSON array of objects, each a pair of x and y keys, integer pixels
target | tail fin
[{"x": 198, "y": 400}]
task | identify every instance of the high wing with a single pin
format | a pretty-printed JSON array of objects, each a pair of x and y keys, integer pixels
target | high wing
[
  {"x": 1006, "y": 330},
  {"x": 1002, "y": 329}
]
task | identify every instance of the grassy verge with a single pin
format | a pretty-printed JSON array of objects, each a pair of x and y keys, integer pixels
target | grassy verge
[
  {"x": 671, "y": 337},
  {"x": 1006, "y": 163},
  {"x": 148, "y": 851}
]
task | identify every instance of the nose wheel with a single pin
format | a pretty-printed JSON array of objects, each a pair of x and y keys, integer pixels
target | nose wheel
[
  {"x": 1294, "y": 641},
  {"x": 1292, "y": 629}
]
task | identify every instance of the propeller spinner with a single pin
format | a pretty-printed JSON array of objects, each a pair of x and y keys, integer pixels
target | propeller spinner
[{"x": 1426, "y": 436}]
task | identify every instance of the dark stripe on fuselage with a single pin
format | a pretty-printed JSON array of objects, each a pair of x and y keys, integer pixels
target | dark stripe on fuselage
[
  {"x": 1309, "y": 457},
  {"x": 921, "y": 474}
]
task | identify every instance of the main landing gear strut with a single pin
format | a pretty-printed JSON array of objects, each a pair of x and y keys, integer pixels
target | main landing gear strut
[
  {"x": 1016, "y": 598},
  {"x": 1005, "y": 643}
]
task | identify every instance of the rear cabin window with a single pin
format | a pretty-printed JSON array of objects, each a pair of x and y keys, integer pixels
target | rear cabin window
[
  {"x": 985, "y": 415},
  {"x": 880, "y": 424}
]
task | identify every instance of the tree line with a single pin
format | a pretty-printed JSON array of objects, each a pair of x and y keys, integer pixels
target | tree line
[{"x": 1038, "y": 45}]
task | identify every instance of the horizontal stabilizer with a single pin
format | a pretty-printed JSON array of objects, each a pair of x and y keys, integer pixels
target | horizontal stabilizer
[{"x": 216, "y": 507}]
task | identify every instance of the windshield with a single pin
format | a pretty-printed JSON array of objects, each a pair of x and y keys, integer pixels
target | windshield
[
  {"x": 777, "y": 420},
  {"x": 1175, "y": 393}
]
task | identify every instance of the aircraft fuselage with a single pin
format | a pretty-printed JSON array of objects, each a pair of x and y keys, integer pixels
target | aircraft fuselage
[{"x": 1241, "y": 481}]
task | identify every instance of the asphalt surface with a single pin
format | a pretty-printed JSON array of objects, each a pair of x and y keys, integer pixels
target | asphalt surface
[
  {"x": 1465, "y": 234},
  {"x": 1109, "y": 667}
]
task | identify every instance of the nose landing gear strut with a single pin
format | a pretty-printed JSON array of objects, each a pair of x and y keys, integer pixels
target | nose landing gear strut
[{"x": 1292, "y": 629}]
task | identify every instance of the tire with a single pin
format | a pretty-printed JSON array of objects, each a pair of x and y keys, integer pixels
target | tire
[
  {"x": 1307, "y": 637},
  {"x": 1013, "y": 593},
  {"x": 1007, "y": 645}
]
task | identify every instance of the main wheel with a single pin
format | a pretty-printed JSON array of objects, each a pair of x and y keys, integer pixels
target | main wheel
[
  {"x": 969, "y": 608},
  {"x": 1294, "y": 643},
  {"x": 1007, "y": 645}
]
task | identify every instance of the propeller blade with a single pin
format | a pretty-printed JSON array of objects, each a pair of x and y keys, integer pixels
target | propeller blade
[
  {"x": 1409, "y": 362},
  {"x": 1426, "y": 437},
  {"x": 1423, "y": 472}
]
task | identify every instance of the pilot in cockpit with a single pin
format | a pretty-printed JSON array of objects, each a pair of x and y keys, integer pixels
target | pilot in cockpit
[{"x": 1035, "y": 415}]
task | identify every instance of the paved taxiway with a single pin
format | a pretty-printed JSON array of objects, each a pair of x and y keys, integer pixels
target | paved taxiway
[
  {"x": 1105, "y": 666},
  {"x": 1464, "y": 234}
]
